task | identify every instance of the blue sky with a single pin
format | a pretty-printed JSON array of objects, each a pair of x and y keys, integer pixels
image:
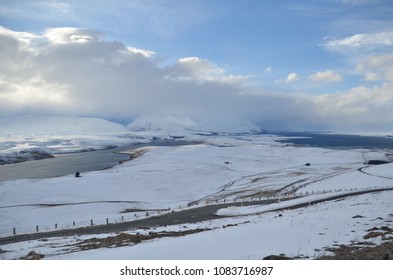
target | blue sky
[{"x": 333, "y": 58}]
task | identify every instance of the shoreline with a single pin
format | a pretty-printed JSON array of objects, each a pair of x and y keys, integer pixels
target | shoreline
[{"x": 66, "y": 164}]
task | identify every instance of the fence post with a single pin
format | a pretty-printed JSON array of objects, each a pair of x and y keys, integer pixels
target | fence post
[{"x": 14, "y": 231}]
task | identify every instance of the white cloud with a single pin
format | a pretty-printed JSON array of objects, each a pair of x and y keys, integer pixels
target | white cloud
[
  {"x": 24, "y": 37},
  {"x": 76, "y": 72},
  {"x": 292, "y": 77},
  {"x": 194, "y": 68},
  {"x": 382, "y": 39},
  {"x": 377, "y": 67},
  {"x": 144, "y": 53},
  {"x": 269, "y": 69},
  {"x": 327, "y": 76},
  {"x": 73, "y": 71},
  {"x": 70, "y": 35},
  {"x": 360, "y": 106}
]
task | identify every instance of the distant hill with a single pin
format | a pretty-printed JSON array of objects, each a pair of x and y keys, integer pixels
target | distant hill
[
  {"x": 50, "y": 125},
  {"x": 155, "y": 123}
]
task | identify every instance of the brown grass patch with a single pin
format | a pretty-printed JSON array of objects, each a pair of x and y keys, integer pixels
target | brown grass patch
[{"x": 125, "y": 239}]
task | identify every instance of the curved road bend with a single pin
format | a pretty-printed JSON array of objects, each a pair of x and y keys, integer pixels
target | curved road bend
[{"x": 182, "y": 217}]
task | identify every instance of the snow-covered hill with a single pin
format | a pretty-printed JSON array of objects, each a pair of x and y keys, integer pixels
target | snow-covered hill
[
  {"x": 36, "y": 137},
  {"x": 50, "y": 125}
]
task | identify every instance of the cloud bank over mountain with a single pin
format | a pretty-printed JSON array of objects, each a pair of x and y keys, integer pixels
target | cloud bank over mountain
[{"x": 78, "y": 72}]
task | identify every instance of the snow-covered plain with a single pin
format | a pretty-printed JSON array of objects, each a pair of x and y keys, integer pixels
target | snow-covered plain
[{"x": 241, "y": 167}]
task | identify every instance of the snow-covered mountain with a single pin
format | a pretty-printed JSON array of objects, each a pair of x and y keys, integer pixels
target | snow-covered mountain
[
  {"x": 161, "y": 123},
  {"x": 155, "y": 123},
  {"x": 227, "y": 126}
]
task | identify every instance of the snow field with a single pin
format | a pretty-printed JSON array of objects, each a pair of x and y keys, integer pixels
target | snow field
[
  {"x": 224, "y": 167},
  {"x": 164, "y": 177},
  {"x": 304, "y": 233}
]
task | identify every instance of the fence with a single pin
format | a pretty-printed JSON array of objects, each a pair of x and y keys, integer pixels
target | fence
[
  {"x": 126, "y": 217},
  {"x": 133, "y": 216}
]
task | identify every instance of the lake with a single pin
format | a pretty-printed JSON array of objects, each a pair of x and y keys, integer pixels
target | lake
[
  {"x": 337, "y": 141},
  {"x": 66, "y": 164},
  {"x": 62, "y": 164}
]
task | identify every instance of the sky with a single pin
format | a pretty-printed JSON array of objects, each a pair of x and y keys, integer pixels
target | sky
[{"x": 285, "y": 65}]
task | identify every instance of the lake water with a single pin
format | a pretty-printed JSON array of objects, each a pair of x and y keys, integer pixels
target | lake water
[
  {"x": 337, "y": 141},
  {"x": 63, "y": 164},
  {"x": 66, "y": 164}
]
